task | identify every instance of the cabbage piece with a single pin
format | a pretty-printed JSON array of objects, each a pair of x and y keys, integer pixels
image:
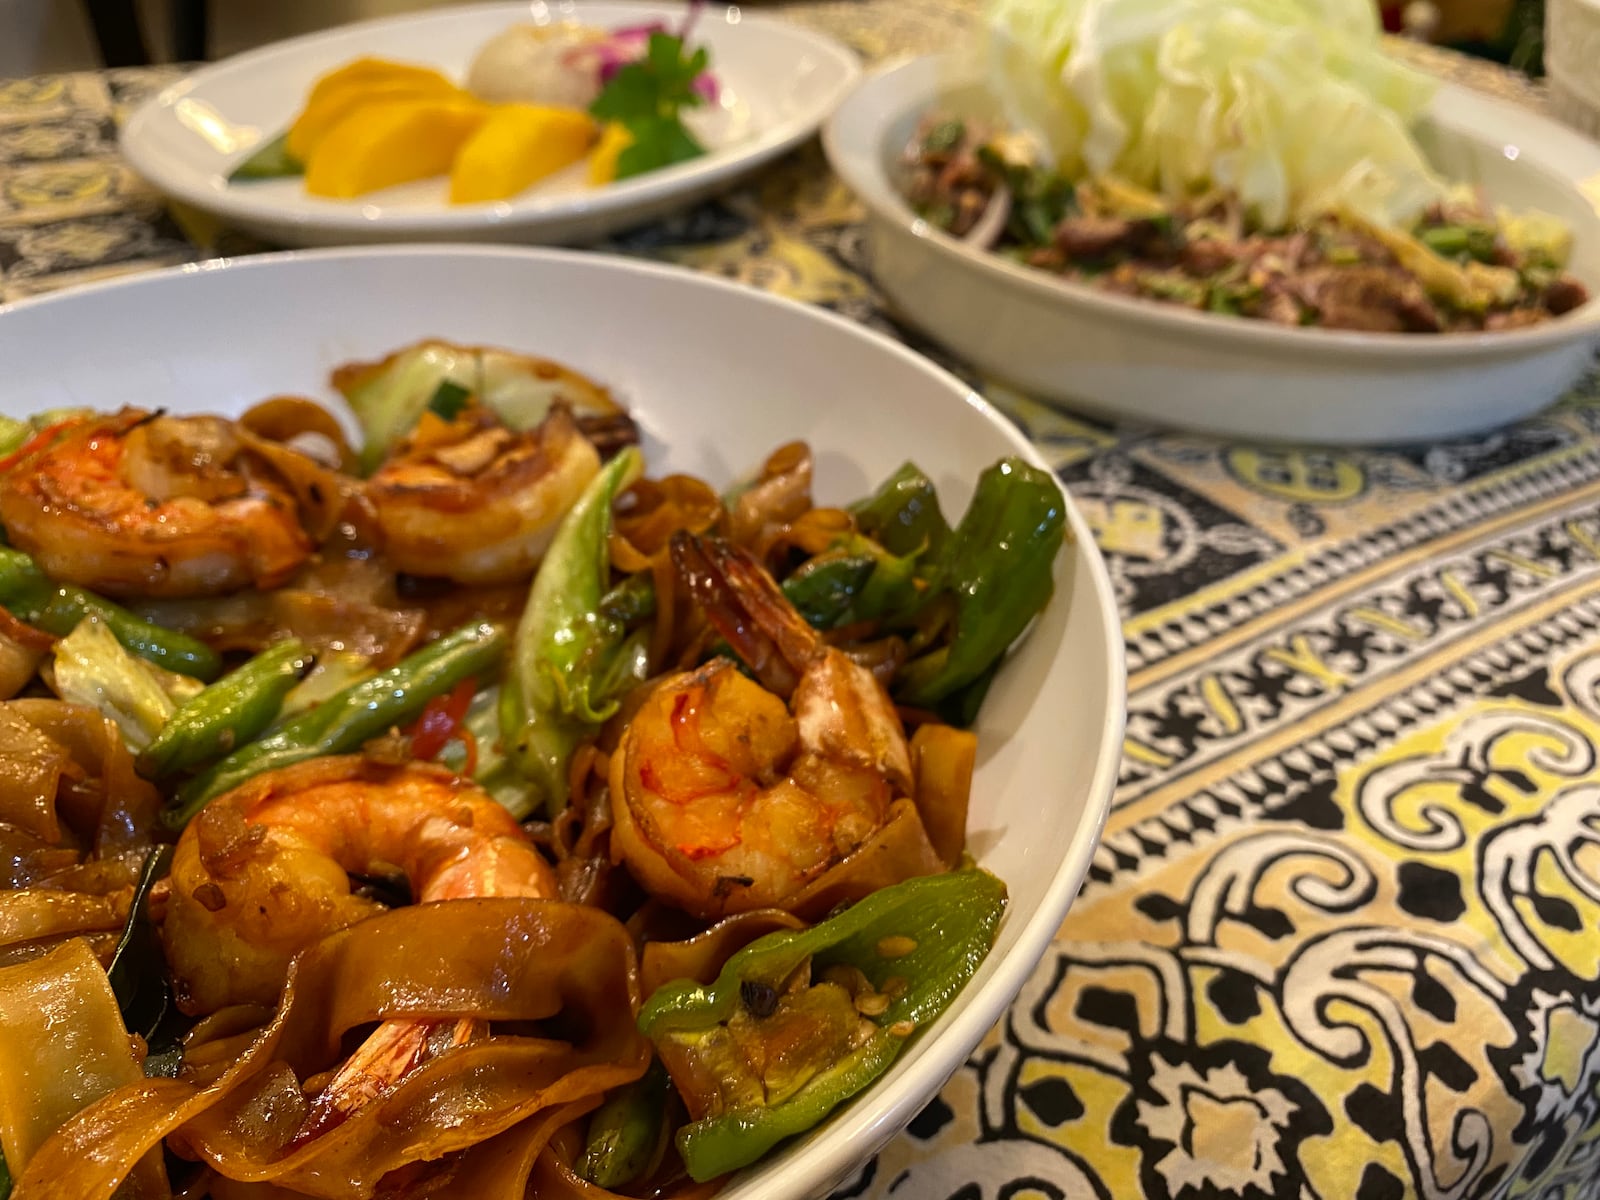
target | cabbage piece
[
  {"x": 334, "y": 672},
  {"x": 389, "y": 397},
  {"x": 92, "y": 668},
  {"x": 1290, "y": 103}
]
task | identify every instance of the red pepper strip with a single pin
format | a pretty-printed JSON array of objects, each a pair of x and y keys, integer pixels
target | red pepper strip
[
  {"x": 38, "y": 442},
  {"x": 440, "y": 720}
]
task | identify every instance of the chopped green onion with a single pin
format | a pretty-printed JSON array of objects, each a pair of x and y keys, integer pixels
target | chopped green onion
[{"x": 448, "y": 400}]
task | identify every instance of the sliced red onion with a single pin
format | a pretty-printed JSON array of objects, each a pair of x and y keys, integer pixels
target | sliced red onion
[
  {"x": 630, "y": 43},
  {"x": 992, "y": 223},
  {"x": 641, "y": 32}
]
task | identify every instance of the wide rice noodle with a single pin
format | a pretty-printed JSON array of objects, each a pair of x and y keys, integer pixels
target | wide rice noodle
[
  {"x": 75, "y": 821},
  {"x": 507, "y": 960}
]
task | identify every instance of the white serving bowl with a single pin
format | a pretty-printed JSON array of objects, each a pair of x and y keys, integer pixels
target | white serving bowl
[
  {"x": 778, "y": 81},
  {"x": 1572, "y": 59},
  {"x": 1148, "y": 362},
  {"x": 717, "y": 376}
]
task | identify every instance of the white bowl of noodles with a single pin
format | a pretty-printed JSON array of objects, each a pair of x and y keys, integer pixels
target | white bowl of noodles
[{"x": 716, "y": 376}]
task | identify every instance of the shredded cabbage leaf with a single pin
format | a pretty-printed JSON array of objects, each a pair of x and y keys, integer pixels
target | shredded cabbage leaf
[
  {"x": 1291, "y": 104},
  {"x": 389, "y": 397},
  {"x": 91, "y": 668}
]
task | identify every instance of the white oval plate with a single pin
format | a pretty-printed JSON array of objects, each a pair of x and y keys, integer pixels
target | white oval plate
[
  {"x": 1143, "y": 361},
  {"x": 718, "y": 376},
  {"x": 778, "y": 84}
]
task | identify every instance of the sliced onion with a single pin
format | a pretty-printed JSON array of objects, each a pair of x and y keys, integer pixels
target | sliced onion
[{"x": 992, "y": 223}]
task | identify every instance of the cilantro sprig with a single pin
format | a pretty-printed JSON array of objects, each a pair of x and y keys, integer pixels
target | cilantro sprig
[{"x": 647, "y": 97}]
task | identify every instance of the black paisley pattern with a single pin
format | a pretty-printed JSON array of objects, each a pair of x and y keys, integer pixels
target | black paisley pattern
[{"x": 1342, "y": 938}]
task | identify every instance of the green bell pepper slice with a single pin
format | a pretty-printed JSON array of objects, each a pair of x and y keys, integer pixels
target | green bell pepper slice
[{"x": 909, "y": 949}]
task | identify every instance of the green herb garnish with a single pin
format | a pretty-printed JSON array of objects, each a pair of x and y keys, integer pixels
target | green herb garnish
[
  {"x": 271, "y": 161},
  {"x": 646, "y": 97}
]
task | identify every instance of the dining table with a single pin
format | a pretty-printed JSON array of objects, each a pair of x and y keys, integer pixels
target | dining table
[{"x": 1341, "y": 937}]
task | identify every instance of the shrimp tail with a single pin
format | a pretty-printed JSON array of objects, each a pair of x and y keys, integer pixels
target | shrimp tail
[
  {"x": 747, "y": 607},
  {"x": 393, "y": 1050}
]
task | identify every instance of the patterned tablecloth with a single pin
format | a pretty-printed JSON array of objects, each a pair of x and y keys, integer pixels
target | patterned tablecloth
[{"x": 1342, "y": 939}]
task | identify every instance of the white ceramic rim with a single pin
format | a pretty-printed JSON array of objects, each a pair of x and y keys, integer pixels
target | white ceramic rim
[
  {"x": 892, "y": 1103},
  {"x": 237, "y": 204},
  {"x": 862, "y": 169}
]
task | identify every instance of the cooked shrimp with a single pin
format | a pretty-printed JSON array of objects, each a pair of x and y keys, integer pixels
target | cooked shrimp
[
  {"x": 141, "y": 505},
  {"x": 724, "y": 797},
  {"x": 264, "y": 870},
  {"x": 472, "y": 501}
]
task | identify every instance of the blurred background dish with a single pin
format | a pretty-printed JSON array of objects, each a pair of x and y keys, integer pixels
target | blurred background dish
[
  {"x": 1572, "y": 55},
  {"x": 776, "y": 83},
  {"x": 1143, "y": 360},
  {"x": 69, "y": 35}
]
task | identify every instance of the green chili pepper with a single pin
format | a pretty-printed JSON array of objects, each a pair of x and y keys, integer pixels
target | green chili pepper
[
  {"x": 559, "y": 685},
  {"x": 270, "y": 161},
  {"x": 903, "y": 515},
  {"x": 625, "y": 1133},
  {"x": 347, "y": 720},
  {"x": 998, "y": 564},
  {"x": 960, "y": 708},
  {"x": 914, "y": 945},
  {"x": 824, "y": 588},
  {"x": 854, "y": 580},
  {"x": 234, "y": 710},
  {"x": 33, "y": 598}
]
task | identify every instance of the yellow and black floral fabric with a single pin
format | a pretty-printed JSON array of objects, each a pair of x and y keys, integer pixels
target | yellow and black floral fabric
[{"x": 1342, "y": 938}]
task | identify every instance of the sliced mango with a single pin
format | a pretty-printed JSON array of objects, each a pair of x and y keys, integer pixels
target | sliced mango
[
  {"x": 380, "y": 145},
  {"x": 331, "y": 103},
  {"x": 614, "y": 139},
  {"x": 360, "y": 72},
  {"x": 516, "y": 147}
]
